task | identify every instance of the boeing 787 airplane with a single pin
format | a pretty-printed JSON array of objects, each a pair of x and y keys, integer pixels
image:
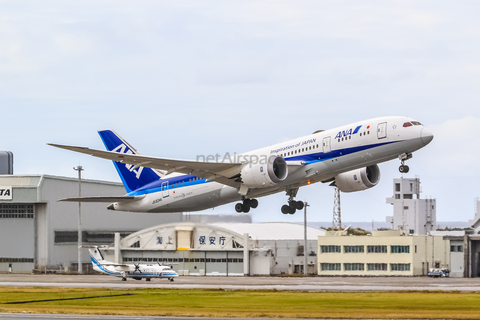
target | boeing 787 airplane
[{"x": 346, "y": 157}]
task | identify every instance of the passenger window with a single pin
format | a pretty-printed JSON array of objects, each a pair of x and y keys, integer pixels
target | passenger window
[
  {"x": 407, "y": 124},
  {"x": 349, "y": 137}
]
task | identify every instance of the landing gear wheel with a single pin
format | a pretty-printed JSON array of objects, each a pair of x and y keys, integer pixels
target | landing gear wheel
[
  {"x": 299, "y": 205},
  {"x": 171, "y": 279},
  {"x": 285, "y": 209},
  {"x": 124, "y": 279},
  {"x": 239, "y": 207},
  {"x": 147, "y": 279},
  {"x": 246, "y": 209},
  {"x": 253, "y": 203},
  {"x": 403, "y": 169},
  {"x": 292, "y": 210},
  {"x": 293, "y": 204}
]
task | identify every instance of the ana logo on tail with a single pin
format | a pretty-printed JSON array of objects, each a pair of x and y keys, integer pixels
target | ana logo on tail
[{"x": 123, "y": 149}]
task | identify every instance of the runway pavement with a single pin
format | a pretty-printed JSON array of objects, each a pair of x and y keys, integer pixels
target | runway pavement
[{"x": 249, "y": 283}]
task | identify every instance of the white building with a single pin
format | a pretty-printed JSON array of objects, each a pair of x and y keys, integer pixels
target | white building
[
  {"x": 410, "y": 213},
  {"x": 475, "y": 222},
  {"x": 221, "y": 248},
  {"x": 384, "y": 253}
]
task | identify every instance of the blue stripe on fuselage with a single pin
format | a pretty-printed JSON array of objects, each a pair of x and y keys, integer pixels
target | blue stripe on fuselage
[
  {"x": 189, "y": 180},
  {"x": 101, "y": 267},
  {"x": 181, "y": 181}
]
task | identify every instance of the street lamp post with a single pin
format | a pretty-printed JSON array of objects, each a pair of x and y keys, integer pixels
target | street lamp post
[
  {"x": 79, "y": 169},
  {"x": 305, "y": 239}
]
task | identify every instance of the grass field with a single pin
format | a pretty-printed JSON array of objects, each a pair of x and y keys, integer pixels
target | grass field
[{"x": 220, "y": 303}]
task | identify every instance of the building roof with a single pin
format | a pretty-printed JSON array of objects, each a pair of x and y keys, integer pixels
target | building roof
[
  {"x": 459, "y": 233},
  {"x": 36, "y": 180},
  {"x": 272, "y": 230}
]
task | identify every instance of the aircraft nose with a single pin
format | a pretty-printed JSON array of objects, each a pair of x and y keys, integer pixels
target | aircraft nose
[{"x": 426, "y": 136}]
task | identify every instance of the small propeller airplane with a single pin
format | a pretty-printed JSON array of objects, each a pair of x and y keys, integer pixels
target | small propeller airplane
[{"x": 134, "y": 271}]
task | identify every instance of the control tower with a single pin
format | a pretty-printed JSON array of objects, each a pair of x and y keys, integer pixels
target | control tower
[{"x": 410, "y": 213}]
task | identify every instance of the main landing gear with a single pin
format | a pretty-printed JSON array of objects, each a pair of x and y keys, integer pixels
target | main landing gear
[
  {"x": 292, "y": 205},
  {"x": 403, "y": 167},
  {"x": 246, "y": 205}
]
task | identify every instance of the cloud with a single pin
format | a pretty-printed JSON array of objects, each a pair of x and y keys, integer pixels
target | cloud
[{"x": 454, "y": 150}]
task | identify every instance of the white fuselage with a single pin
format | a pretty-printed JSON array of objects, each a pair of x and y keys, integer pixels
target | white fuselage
[{"x": 322, "y": 155}]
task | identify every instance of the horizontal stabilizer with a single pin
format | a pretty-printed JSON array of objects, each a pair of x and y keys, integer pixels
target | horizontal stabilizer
[{"x": 104, "y": 199}]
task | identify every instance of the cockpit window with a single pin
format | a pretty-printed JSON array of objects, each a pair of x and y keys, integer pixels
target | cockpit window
[
  {"x": 416, "y": 123},
  {"x": 407, "y": 124}
]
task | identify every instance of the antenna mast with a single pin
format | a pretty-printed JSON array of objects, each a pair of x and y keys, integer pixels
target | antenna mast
[{"x": 337, "y": 214}]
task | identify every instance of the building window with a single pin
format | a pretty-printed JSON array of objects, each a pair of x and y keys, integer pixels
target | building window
[
  {"x": 377, "y": 249},
  {"x": 353, "y": 266},
  {"x": 408, "y": 196},
  {"x": 411, "y": 231},
  {"x": 405, "y": 207},
  {"x": 330, "y": 249},
  {"x": 93, "y": 237},
  {"x": 330, "y": 266},
  {"x": 16, "y": 211},
  {"x": 136, "y": 244},
  {"x": 399, "y": 249},
  {"x": 399, "y": 266},
  {"x": 397, "y": 196},
  {"x": 66, "y": 236},
  {"x": 456, "y": 248},
  {"x": 376, "y": 266},
  {"x": 397, "y": 187},
  {"x": 354, "y": 249},
  {"x": 16, "y": 260}
]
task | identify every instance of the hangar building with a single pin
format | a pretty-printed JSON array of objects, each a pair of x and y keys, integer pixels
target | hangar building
[
  {"x": 221, "y": 248},
  {"x": 39, "y": 233}
]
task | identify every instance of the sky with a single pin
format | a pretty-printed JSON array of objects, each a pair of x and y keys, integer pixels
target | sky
[{"x": 181, "y": 79}]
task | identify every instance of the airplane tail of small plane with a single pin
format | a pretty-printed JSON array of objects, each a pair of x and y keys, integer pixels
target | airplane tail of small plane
[
  {"x": 96, "y": 254},
  {"x": 96, "y": 258},
  {"x": 133, "y": 177}
]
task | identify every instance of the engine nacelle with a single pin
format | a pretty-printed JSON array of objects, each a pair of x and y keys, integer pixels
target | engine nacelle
[
  {"x": 260, "y": 175},
  {"x": 359, "y": 179}
]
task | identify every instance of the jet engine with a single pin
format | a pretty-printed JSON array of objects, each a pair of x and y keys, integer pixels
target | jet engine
[
  {"x": 359, "y": 179},
  {"x": 260, "y": 175}
]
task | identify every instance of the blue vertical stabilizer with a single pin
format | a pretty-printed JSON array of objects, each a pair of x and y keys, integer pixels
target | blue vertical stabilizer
[{"x": 132, "y": 178}]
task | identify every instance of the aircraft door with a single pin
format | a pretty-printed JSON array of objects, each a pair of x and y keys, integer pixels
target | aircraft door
[
  {"x": 165, "y": 189},
  {"x": 382, "y": 130},
  {"x": 326, "y": 145}
]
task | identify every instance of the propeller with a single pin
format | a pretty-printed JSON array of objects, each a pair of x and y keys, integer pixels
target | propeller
[{"x": 137, "y": 268}]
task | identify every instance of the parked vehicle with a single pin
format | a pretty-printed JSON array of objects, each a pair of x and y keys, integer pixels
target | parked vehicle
[{"x": 437, "y": 273}]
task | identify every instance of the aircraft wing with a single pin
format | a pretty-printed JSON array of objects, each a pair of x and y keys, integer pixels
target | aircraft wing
[
  {"x": 216, "y": 171},
  {"x": 115, "y": 265},
  {"x": 104, "y": 199}
]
